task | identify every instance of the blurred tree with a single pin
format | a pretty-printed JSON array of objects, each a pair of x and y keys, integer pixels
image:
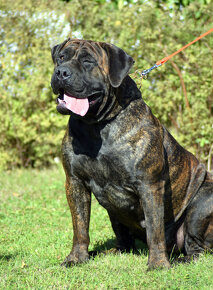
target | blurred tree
[
  {"x": 31, "y": 129},
  {"x": 180, "y": 93}
]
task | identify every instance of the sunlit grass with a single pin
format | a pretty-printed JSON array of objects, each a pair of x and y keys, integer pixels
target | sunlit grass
[{"x": 36, "y": 235}]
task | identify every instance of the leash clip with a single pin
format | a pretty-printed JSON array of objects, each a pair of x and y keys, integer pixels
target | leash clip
[{"x": 145, "y": 73}]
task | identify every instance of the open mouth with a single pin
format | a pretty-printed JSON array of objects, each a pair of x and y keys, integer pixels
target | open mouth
[{"x": 76, "y": 105}]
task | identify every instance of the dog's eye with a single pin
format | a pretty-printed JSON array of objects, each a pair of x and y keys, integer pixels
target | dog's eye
[
  {"x": 60, "y": 59},
  {"x": 88, "y": 63}
]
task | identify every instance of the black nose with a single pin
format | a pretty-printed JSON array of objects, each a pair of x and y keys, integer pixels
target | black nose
[{"x": 63, "y": 73}]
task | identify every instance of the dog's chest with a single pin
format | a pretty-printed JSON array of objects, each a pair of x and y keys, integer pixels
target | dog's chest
[{"x": 110, "y": 177}]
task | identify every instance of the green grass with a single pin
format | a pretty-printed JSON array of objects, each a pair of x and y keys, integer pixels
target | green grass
[{"x": 36, "y": 235}]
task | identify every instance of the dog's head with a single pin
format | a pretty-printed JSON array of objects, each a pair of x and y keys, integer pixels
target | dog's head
[{"x": 85, "y": 72}]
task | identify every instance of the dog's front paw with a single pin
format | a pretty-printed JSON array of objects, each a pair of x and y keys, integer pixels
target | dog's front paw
[
  {"x": 75, "y": 258},
  {"x": 158, "y": 263}
]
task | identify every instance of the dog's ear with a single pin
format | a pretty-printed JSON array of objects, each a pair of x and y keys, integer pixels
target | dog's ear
[
  {"x": 119, "y": 63},
  {"x": 55, "y": 50}
]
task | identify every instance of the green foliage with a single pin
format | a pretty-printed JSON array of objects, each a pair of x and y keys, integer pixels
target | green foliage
[
  {"x": 180, "y": 92},
  {"x": 31, "y": 130}
]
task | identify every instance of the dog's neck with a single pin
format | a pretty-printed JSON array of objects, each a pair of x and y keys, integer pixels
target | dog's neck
[
  {"x": 124, "y": 95},
  {"x": 127, "y": 92}
]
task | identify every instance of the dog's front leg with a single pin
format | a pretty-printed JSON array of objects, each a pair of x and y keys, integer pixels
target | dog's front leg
[
  {"x": 152, "y": 197},
  {"x": 79, "y": 200}
]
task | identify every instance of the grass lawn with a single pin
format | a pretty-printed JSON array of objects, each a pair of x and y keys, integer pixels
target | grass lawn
[{"x": 36, "y": 235}]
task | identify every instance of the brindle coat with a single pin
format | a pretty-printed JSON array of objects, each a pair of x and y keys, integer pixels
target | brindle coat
[{"x": 152, "y": 188}]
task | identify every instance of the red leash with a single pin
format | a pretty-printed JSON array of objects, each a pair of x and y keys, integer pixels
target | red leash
[{"x": 165, "y": 59}]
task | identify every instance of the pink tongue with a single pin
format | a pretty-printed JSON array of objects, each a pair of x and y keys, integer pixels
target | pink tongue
[{"x": 77, "y": 106}]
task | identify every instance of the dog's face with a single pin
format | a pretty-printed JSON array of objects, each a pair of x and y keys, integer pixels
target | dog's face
[{"x": 84, "y": 73}]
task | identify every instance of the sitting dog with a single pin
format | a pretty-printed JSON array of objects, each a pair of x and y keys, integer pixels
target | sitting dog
[{"x": 152, "y": 188}]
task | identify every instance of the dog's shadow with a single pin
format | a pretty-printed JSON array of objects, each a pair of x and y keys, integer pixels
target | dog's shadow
[
  {"x": 109, "y": 246},
  {"x": 7, "y": 257}
]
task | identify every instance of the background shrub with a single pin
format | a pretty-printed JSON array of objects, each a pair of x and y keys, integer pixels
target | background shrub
[{"x": 180, "y": 92}]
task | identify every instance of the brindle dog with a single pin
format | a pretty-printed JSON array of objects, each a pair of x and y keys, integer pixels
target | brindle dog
[{"x": 152, "y": 188}]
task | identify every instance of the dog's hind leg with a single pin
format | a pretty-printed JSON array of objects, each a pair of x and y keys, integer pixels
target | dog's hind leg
[
  {"x": 198, "y": 226},
  {"x": 124, "y": 238}
]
